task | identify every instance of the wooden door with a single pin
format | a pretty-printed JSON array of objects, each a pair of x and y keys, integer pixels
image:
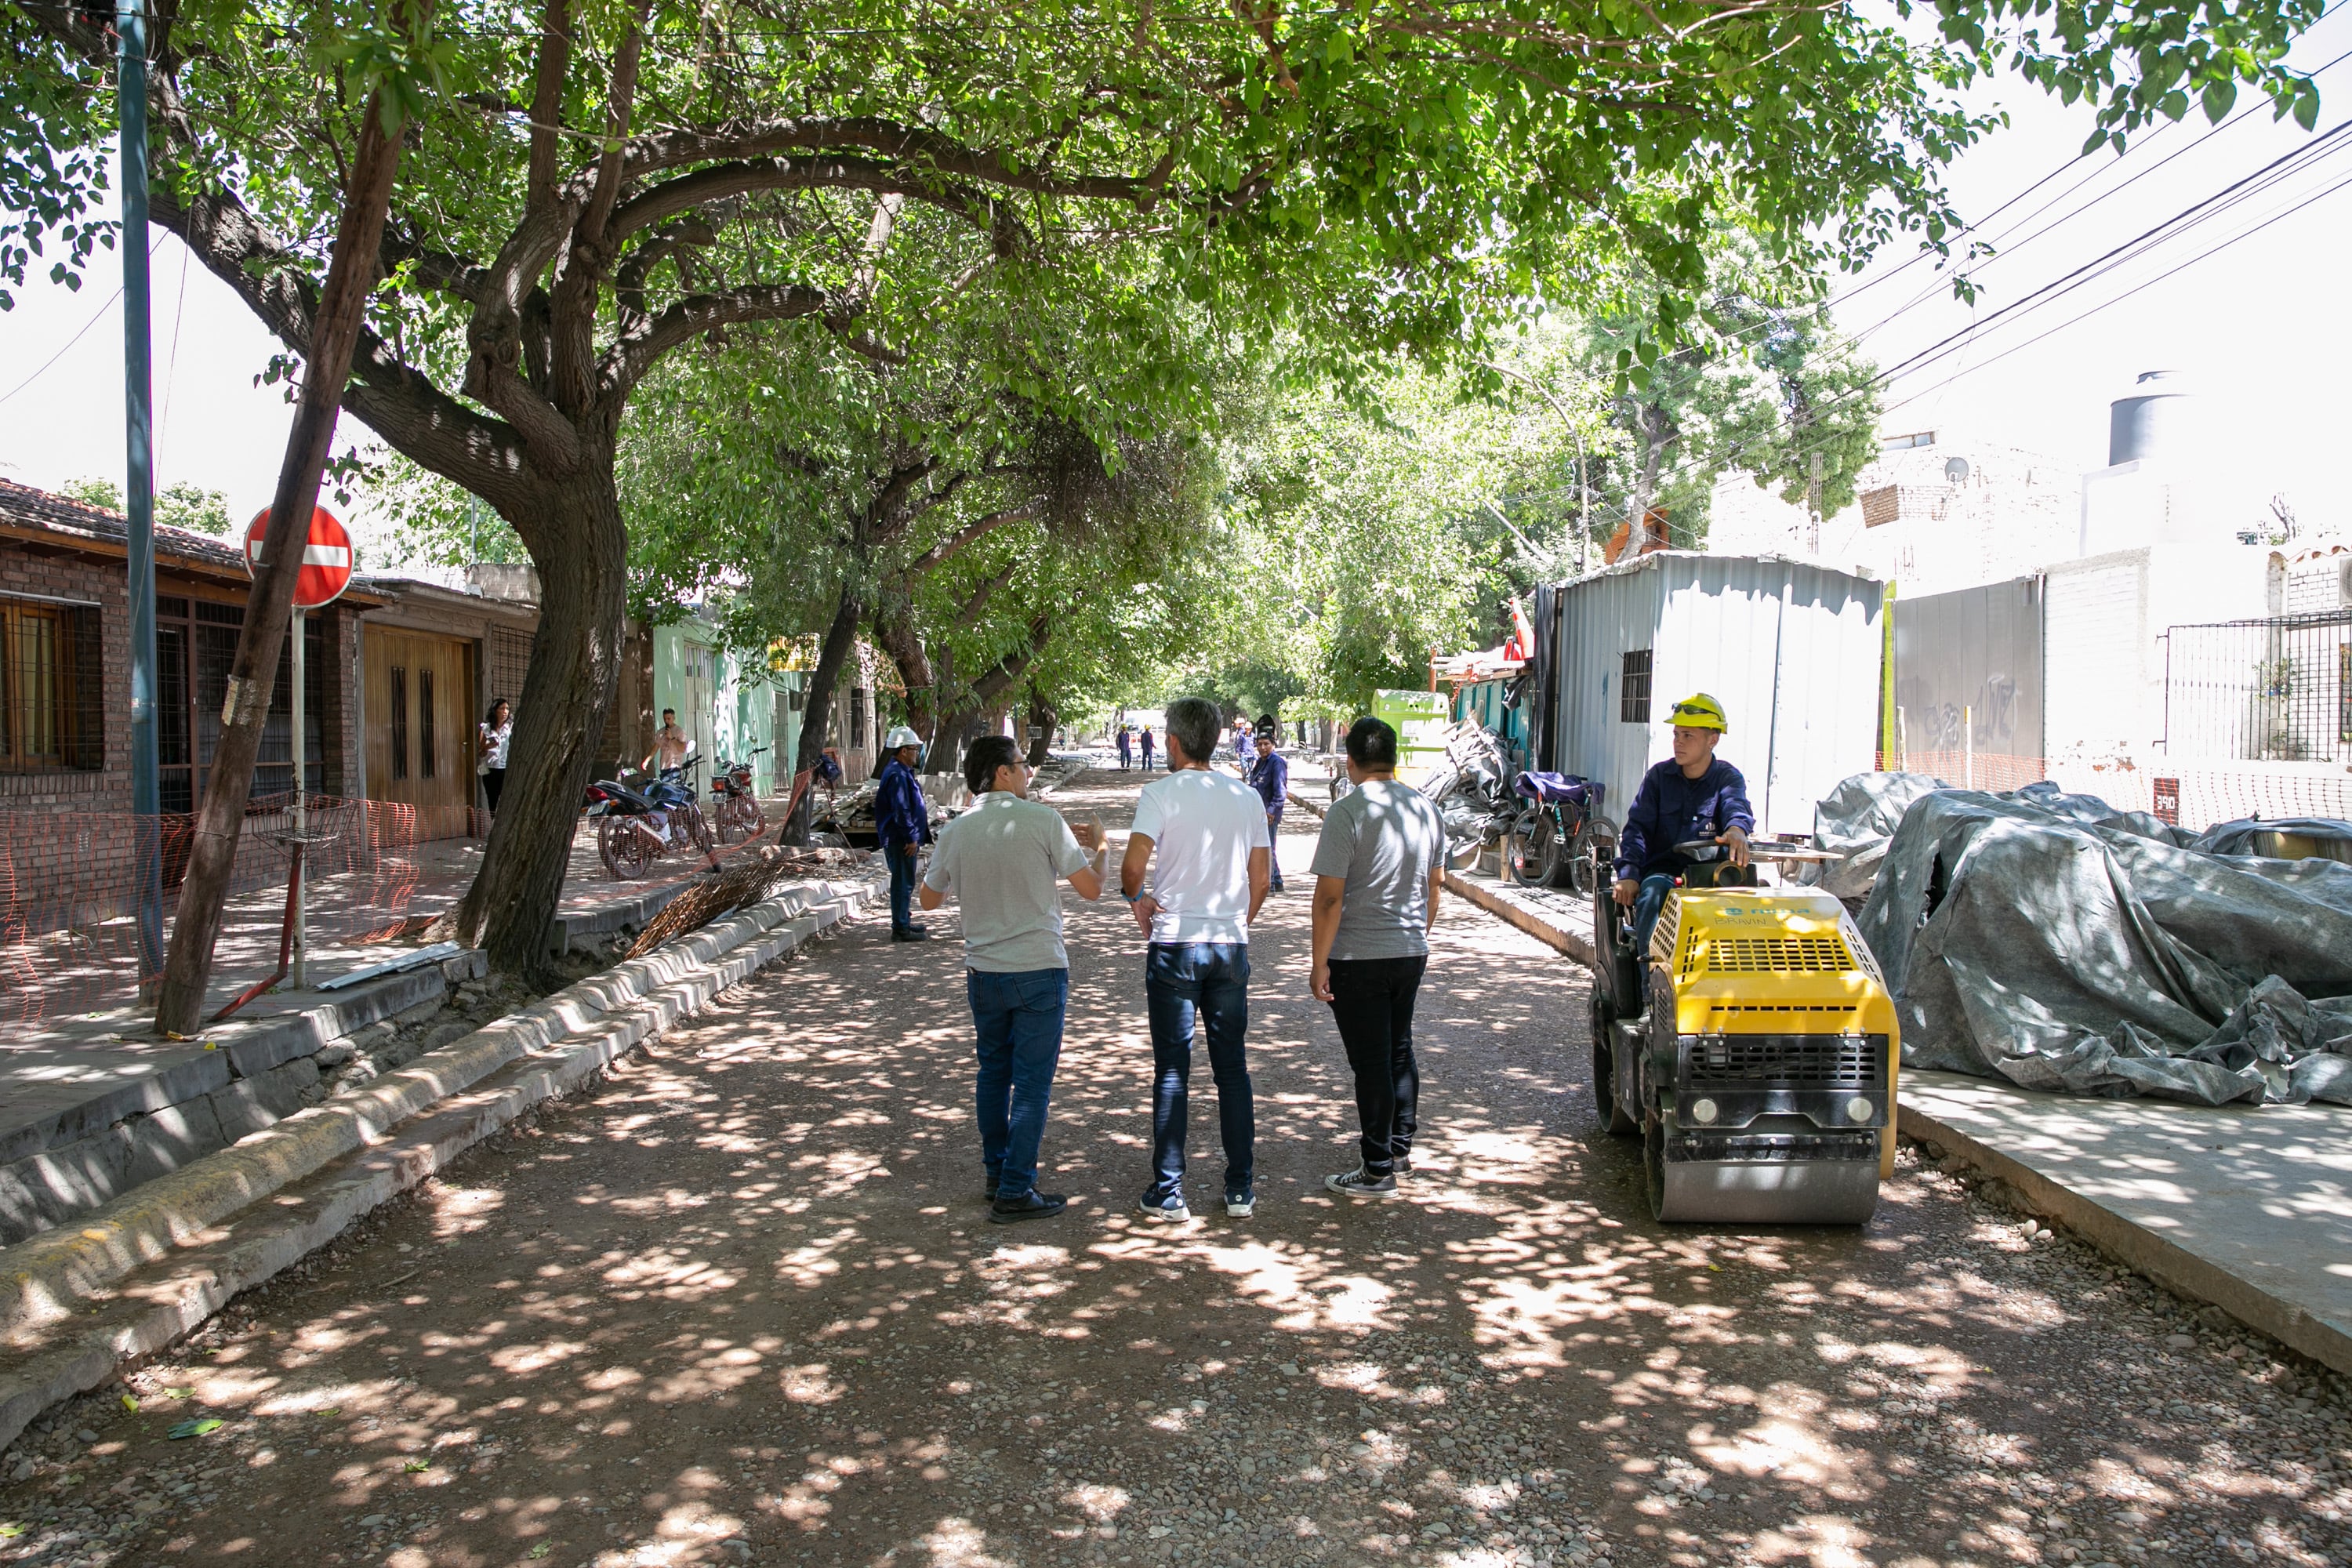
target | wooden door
[
  {"x": 420, "y": 720},
  {"x": 698, "y": 711}
]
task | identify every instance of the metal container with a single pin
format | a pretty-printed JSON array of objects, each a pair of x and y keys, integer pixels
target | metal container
[
  {"x": 1792, "y": 650},
  {"x": 2153, "y": 422}
]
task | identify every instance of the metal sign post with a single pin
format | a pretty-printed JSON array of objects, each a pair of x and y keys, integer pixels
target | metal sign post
[
  {"x": 328, "y": 561},
  {"x": 295, "y": 968},
  {"x": 139, "y": 491}
]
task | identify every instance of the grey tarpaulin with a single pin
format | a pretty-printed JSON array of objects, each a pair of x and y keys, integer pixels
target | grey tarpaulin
[
  {"x": 2237, "y": 837},
  {"x": 2046, "y": 939},
  {"x": 1856, "y": 820}
]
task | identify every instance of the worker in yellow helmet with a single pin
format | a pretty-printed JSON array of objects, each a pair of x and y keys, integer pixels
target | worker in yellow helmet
[{"x": 1697, "y": 795}]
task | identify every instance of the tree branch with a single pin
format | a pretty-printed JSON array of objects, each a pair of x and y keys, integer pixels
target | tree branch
[
  {"x": 634, "y": 352},
  {"x": 547, "y": 104},
  {"x": 972, "y": 533}
]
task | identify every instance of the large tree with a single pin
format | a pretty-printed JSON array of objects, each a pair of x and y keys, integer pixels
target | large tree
[{"x": 605, "y": 184}]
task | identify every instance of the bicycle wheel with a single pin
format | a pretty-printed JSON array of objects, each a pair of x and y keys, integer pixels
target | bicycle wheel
[
  {"x": 731, "y": 824},
  {"x": 697, "y": 827},
  {"x": 1594, "y": 849},
  {"x": 624, "y": 851},
  {"x": 1537, "y": 850}
]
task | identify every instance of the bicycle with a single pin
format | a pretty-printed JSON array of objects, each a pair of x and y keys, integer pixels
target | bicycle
[
  {"x": 1557, "y": 839},
  {"x": 735, "y": 810}
]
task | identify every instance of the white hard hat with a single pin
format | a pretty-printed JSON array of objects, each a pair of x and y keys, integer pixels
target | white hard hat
[{"x": 901, "y": 736}]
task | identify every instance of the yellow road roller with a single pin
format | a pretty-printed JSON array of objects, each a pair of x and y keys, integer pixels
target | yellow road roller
[{"x": 1752, "y": 1048}]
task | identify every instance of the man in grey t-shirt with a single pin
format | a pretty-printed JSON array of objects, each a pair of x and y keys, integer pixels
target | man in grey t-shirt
[
  {"x": 1003, "y": 860},
  {"x": 1377, "y": 869}
]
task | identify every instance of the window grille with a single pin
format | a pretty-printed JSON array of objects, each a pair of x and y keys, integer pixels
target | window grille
[
  {"x": 1633, "y": 688},
  {"x": 399, "y": 721},
  {"x": 425, "y": 724},
  {"x": 52, "y": 687}
]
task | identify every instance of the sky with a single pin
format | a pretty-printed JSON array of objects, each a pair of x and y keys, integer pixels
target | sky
[{"x": 2262, "y": 326}]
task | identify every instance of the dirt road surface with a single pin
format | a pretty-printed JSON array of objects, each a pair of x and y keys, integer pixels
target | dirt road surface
[{"x": 739, "y": 1303}]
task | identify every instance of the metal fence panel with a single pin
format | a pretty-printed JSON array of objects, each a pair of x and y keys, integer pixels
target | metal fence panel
[
  {"x": 2269, "y": 690},
  {"x": 1968, "y": 673}
]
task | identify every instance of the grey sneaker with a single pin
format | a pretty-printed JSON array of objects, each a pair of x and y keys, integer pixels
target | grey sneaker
[
  {"x": 1401, "y": 1164},
  {"x": 1169, "y": 1210},
  {"x": 1240, "y": 1205},
  {"x": 1356, "y": 1184}
]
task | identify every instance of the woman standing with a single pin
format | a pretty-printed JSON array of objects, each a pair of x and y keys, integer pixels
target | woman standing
[{"x": 490, "y": 751}]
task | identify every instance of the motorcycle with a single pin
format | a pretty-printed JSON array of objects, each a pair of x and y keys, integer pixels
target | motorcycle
[
  {"x": 1560, "y": 836},
  {"x": 639, "y": 824},
  {"x": 735, "y": 812}
]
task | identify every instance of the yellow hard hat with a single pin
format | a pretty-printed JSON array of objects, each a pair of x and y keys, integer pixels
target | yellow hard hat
[{"x": 1700, "y": 712}]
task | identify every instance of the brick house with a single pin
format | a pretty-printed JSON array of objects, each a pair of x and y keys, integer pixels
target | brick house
[{"x": 64, "y": 669}]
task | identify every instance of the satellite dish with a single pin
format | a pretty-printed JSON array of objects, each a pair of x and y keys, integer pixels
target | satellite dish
[{"x": 1955, "y": 470}]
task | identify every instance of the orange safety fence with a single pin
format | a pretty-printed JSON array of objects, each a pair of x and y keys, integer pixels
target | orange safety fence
[{"x": 2186, "y": 794}]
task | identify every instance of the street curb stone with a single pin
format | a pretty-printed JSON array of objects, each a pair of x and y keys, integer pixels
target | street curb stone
[{"x": 347, "y": 1158}]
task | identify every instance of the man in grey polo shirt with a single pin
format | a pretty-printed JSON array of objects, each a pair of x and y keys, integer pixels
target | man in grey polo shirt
[
  {"x": 1002, "y": 860},
  {"x": 1377, "y": 869}
]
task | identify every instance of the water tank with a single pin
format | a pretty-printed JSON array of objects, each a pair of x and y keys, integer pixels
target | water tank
[{"x": 2153, "y": 421}]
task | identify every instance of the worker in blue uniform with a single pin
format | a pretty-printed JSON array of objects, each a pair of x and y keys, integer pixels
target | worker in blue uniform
[
  {"x": 1270, "y": 777},
  {"x": 902, "y": 821},
  {"x": 1696, "y": 795}
]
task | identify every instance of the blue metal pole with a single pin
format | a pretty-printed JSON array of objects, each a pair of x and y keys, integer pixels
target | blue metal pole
[{"x": 139, "y": 491}]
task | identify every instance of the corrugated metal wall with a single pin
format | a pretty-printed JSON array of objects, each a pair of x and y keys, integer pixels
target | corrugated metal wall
[{"x": 1792, "y": 650}]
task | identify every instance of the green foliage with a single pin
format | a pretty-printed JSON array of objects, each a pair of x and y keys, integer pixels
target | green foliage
[{"x": 177, "y": 505}]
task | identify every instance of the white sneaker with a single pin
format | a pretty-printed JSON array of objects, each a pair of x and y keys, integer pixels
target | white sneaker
[
  {"x": 1241, "y": 1207},
  {"x": 1171, "y": 1212}
]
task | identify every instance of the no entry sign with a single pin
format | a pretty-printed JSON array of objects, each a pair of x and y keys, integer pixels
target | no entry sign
[{"x": 326, "y": 557}]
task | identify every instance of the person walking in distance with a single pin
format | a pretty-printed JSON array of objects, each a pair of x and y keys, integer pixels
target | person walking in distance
[
  {"x": 1209, "y": 831},
  {"x": 1269, "y": 775},
  {"x": 1146, "y": 738},
  {"x": 1001, "y": 859},
  {"x": 1377, "y": 869},
  {"x": 490, "y": 751},
  {"x": 1126, "y": 749},
  {"x": 902, "y": 821}
]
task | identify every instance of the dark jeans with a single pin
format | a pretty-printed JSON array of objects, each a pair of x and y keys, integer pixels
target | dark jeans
[
  {"x": 1647, "y": 902},
  {"x": 1147, "y": 759},
  {"x": 1018, "y": 1020},
  {"x": 901, "y": 861},
  {"x": 493, "y": 784},
  {"x": 1207, "y": 982},
  {"x": 1372, "y": 1000},
  {"x": 1274, "y": 849}
]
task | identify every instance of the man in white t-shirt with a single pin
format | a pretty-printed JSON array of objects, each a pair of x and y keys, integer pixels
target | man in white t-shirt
[{"x": 1209, "y": 830}]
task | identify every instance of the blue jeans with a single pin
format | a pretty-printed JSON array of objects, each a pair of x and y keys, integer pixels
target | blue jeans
[
  {"x": 1274, "y": 849},
  {"x": 901, "y": 862},
  {"x": 1018, "y": 1021},
  {"x": 1647, "y": 902},
  {"x": 1208, "y": 982}
]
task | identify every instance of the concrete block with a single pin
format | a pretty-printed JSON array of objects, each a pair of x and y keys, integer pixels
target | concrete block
[
  {"x": 444, "y": 1032},
  {"x": 250, "y": 1104},
  {"x": 52, "y": 1186},
  {"x": 172, "y": 1139},
  {"x": 172, "y": 1083}
]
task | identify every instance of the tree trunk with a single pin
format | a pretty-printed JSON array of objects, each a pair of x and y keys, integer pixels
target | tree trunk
[
  {"x": 893, "y": 628},
  {"x": 840, "y": 637},
  {"x": 253, "y": 670},
  {"x": 1041, "y": 718},
  {"x": 575, "y": 667}
]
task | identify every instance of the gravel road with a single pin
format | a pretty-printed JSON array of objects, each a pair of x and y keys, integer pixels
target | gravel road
[{"x": 737, "y": 1302}]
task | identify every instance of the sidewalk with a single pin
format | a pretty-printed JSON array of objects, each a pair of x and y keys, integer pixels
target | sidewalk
[
  {"x": 2249, "y": 1209},
  {"x": 93, "y": 1103}
]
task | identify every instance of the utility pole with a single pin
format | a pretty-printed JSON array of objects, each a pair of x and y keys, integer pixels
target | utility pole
[
  {"x": 139, "y": 489},
  {"x": 1813, "y": 503}
]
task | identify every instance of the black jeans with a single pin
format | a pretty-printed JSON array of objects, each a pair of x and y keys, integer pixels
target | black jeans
[
  {"x": 493, "y": 784},
  {"x": 1372, "y": 1000}
]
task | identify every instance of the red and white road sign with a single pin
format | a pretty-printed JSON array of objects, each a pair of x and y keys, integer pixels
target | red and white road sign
[{"x": 327, "y": 558}]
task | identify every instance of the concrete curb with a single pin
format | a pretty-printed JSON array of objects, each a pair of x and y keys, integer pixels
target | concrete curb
[
  {"x": 2137, "y": 1247},
  {"x": 50, "y": 1277},
  {"x": 1509, "y": 913},
  {"x": 72, "y": 1357}
]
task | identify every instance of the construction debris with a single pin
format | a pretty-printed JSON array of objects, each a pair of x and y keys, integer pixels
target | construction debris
[{"x": 741, "y": 885}]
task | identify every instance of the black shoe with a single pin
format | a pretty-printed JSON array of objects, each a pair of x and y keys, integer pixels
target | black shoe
[
  {"x": 1401, "y": 1164},
  {"x": 911, "y": 933},
  {"x": 1033, "y": 1206}
]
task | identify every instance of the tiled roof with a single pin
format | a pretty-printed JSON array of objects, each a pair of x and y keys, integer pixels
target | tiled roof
[{"x": 25, "y": 508}]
